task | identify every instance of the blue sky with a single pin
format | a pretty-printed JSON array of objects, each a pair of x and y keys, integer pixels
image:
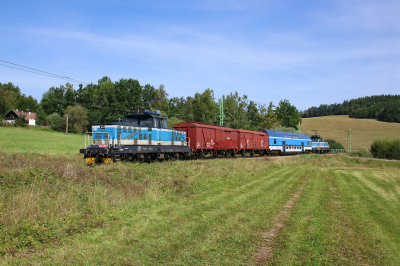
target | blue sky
[{"x": 309, "y": 52}]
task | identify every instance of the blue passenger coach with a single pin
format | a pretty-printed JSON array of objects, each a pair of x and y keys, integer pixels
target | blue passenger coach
[{"x": 281, "y": 142}]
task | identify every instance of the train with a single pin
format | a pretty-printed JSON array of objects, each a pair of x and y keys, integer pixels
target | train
[{"x": 145, "y": 136}]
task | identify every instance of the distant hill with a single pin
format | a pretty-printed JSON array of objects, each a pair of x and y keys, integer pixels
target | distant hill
[
  {"x": 383, "y": 107},
  {"x": 364, "y": 131}
]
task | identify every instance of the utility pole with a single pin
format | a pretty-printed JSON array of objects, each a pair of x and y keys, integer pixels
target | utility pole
[
  {"x": 349, "y": 140},
  {"x": 221, "y": 112},
  {"x": 66, "y": 129}
]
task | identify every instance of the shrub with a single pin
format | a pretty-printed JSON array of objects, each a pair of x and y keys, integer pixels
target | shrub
[
  {"x": 21, "y": 122},
  {"x": 386, "y": 149},
  {"x": 56, "y": 122},
  {"x": 333, "y": 144},
  {"x": 364, "y": 153}
]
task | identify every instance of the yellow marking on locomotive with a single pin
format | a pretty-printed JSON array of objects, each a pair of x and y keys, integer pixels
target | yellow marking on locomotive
[
  {"x": 90, "y": 160},
  {"x": 107, "y": 160}
]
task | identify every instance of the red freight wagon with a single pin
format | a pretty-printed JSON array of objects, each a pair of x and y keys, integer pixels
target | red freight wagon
[
  {"x": 252, "y": 142},
  {"x": 210, "y": 139}
]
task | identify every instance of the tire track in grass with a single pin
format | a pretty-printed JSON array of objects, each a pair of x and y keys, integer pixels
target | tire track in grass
[{"x": 265, "y": 253}]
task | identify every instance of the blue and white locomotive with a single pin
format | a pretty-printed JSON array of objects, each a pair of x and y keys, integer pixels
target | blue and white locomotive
[
  {"x": 143, "y": 137},
  {"x": 318, "y": 144}
]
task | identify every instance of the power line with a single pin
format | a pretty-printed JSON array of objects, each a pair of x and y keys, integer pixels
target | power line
[{"x": 40, "y": 72}]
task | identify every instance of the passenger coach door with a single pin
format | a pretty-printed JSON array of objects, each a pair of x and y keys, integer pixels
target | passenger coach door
[
  {"x": 283, "y": 146},
  {"x": 302, "y": 147}
]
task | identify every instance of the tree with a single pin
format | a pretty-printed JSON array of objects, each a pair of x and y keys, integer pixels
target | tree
[
  {"x": 128, "y": 95},
  {"x": 204, "y": 107},
  {"x": 78, "y": 120},
  {"x": 56, "y": 122},
  {"x": 161, "y": 99},
  {"x": 53, "y": 100},
  {"x": 271, "y": 119},
  {"x": 253, "y": 115},
  {"x": 172, "y": 121},
  {"x": 148, "y": 93},
  {"x": 41, "y": 117},
  {"x": 235, "y": 110},
  {"x": 288, "y": 115}
]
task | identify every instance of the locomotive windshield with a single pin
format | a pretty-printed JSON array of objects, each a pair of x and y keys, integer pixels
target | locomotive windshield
[
  {"x": 142, "y": 122},
  {"x": 134, "y": 121}
]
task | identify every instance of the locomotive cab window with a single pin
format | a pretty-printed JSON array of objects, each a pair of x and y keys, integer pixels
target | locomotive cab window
[
  {"x": 146, "y": 122},
  {"x": 134, "y": 121}
]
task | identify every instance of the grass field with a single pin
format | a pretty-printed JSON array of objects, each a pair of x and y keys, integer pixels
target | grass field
[
  {"x": 305, "y": 210},
  {"x": 27, "y": 140},
  {"x": 364, "y": 131}
]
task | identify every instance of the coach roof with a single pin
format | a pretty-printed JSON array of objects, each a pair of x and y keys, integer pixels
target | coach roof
[{"x": 283, "y": 134}]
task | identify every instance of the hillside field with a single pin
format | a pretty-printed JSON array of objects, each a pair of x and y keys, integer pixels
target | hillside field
[
  {"x": 363, "y": 131},
  {"x": 25, "y": 140}
]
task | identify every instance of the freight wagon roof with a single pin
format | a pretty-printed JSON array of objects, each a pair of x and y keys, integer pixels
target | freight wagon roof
[
  {"x": 283, "y": 134},
  {"x": 199, "y": 124},
  {"x": 250, "y": 131}
]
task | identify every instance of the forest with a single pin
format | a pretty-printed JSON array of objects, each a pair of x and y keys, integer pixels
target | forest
[
  {"x": 382, "y": 107},
  {"x": 109, "y": 101}
]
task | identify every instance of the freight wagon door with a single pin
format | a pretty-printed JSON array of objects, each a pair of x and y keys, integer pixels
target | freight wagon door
[
  {"x": 218, "y": 140},
  {"x": 242, "y": 141}
]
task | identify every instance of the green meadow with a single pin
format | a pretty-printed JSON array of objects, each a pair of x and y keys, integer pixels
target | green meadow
[
  {"x": 29, "y": 140},
  {"x": 292, "y": 210}
]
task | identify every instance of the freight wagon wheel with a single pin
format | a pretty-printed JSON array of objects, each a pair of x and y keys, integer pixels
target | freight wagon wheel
[
  {"x": 243, "y": 153},
  {"x": 232, "y": 154},
  {"x": 201, "y": 155},
  {"x": 251, "y": 153}
]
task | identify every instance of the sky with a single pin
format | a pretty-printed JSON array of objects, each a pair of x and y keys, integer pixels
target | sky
[{"x": 308, "y": 52}]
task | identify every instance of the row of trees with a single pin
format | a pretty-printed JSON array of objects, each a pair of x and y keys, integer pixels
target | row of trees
[
  {"x": 383, "y": 107},
  {"x": 11, "y": 98},
  {"x": 109, "y": 101}
]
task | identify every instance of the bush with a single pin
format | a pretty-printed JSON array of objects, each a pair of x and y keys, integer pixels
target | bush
[
  {"x": 21, "y": 122},
  {"x": 333, "y": 144},
  {"x": 386, "y": 149},
  {"x": 56, "y": 122},
  {"x": 364, "y": 153}
]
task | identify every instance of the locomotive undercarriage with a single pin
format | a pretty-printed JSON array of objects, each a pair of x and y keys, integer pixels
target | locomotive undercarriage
[{"x": 135, "y": 154}]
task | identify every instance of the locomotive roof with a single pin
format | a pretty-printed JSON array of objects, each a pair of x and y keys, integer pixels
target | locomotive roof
[{"x": 284, "y": 134}]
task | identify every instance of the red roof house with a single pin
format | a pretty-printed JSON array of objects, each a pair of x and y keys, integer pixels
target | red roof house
[{"x": 30, "y": 117}]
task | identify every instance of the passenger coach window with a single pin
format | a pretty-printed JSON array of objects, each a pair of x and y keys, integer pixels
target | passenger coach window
[{"x": 274, "y": 141}]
